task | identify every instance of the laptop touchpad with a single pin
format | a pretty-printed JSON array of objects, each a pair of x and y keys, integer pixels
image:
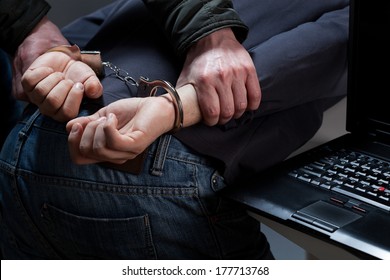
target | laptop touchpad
[{"x": 326, "y": 216}]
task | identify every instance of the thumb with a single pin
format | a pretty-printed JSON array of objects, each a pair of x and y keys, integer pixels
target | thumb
[
  {"x": 74, "y": 140},
  {"x": 93, "y": 88}
]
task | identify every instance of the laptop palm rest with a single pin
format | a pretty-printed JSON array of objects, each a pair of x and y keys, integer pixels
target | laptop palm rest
[{"x": 325, "y": 216}]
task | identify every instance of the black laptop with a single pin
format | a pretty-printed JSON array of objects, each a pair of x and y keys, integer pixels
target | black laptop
[{"x": 340, "y": 191}]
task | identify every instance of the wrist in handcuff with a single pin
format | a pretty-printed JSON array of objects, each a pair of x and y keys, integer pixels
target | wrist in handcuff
[
  {"x": 91, "y": 58},
  {"x": 152, "y": 87}
]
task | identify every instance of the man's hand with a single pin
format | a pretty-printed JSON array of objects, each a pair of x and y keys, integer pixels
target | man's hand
[{"x": 224, "y": 76}]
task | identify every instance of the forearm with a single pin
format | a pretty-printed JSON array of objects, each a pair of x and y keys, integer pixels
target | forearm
[
  {"x": 125, "y": 128},
  {"x": 168, "y": 112},
  {"x": 44, "y": 36}
]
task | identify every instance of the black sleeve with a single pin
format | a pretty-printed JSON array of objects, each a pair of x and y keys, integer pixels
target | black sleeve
[
  {"x": 17, "y": 19},
  {"x": 185, "y": 22}
]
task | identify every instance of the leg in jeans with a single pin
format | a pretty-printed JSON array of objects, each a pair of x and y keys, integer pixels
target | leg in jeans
[{"x": 53, "y": 209}]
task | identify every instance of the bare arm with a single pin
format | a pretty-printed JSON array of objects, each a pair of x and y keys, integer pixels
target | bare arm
[{"x": 125, "y": 128}]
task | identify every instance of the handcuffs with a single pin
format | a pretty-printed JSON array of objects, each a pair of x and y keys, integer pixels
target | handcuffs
[{"x": 145, "y": 87}]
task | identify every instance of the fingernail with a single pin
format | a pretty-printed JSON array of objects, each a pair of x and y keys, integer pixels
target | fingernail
[
  {"x": 79, "y": 86},
  {"x": 75, "y": 128}
]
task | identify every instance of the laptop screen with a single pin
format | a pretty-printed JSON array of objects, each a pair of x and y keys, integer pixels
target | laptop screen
[{"x": 369, "y": 68}]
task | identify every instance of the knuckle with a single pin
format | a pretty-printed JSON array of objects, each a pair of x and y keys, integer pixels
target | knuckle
[
  {"x": 210, "y": 117},
  {"x": 26, "y": 82},
  {"x": 227, "y": 112},
  {"x": 53, "y": 102},
  {"x": 222, "y": 75},
  {"x": 84, "y": 150},
  {"x": 203, "y": 78},
  {"x": 212, "y": 112}
]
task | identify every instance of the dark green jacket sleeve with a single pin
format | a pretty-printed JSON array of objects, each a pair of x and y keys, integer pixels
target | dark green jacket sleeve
[
  {"x": 17, "y": 19},
  {"x": 187, "y": 21}
]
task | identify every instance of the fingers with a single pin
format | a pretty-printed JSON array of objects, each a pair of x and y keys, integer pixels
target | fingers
[
  {"x": 84, "y": 150},
  {"x": 224, "y": 76},
  {"x": 80, "y": 72},
  {"x": 70, "y": 106},
  {"x": 99, "y": 140},
  {"x": 83, "y": 121},
  {"x": 63, "y": 101},
  {"x": 239, "y": 94},
  {"x": 224, "y": 91},
  {"x": 93, "y": 87},
  {"x": 57, "y": 84},
  {"x": 74, "y": 139},
  {"x": 32, "y": 77},
  {"x": 55, "y": 96},
  {"x": 228, "y": 100},
  {"x": 209, "y": 104},
  {"x": 253, "y": 91}
]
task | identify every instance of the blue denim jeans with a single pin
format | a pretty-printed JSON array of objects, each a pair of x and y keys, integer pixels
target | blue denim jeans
[
  {"x": 9, "y": 107},
  {"x": 54, "y": 209}
]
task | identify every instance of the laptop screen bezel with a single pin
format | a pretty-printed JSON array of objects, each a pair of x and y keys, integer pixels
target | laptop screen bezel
[{"x": 364, "y": 108}]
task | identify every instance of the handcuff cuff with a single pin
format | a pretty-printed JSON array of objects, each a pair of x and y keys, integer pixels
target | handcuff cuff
[{"x": 145, "y": 87}]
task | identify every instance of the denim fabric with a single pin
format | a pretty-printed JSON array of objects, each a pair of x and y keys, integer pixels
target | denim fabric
[
  {"x": 10, "y": 109},
  {"x": 52, "y": 208}
]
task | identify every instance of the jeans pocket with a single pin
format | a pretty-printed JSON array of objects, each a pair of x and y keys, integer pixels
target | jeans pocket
[{"x": 82, "y": 237}]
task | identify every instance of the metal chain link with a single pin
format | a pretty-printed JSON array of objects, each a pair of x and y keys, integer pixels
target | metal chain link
[
  {"x": 149, "y": 88},
  {"x": 121, "y": 74}
]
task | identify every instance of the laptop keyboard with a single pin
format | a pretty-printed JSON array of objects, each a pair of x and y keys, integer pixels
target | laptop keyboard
[{"x": 350, "y": 173}]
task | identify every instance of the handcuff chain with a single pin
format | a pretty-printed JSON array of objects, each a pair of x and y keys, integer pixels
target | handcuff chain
[
  {"x": 149, "y": 88},
  {"x": 120, "y": 73}
]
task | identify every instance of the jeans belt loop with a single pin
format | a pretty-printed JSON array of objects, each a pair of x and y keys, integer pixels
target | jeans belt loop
[
  {"x": 160, "y": 156},
  {"x": 29, "y": 124}
]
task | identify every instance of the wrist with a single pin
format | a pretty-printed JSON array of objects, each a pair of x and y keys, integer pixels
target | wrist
[
  {"x": 43, "y": 37},
  {"x": 213, "y": 39},
  {"x": 151, "y": 88},
  {"x": 167, "y": 111},
  {"x": 91, "y": 58}
]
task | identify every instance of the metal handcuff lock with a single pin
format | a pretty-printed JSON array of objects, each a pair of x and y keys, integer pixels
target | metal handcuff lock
[
  {"x": 145, "y": 87},
  {"x": 150, "y": 88}
]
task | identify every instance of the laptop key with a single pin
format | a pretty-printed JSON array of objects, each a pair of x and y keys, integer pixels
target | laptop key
[
  {"x": 349, "y": 173},
  {"x": 385, "y": 205}
]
